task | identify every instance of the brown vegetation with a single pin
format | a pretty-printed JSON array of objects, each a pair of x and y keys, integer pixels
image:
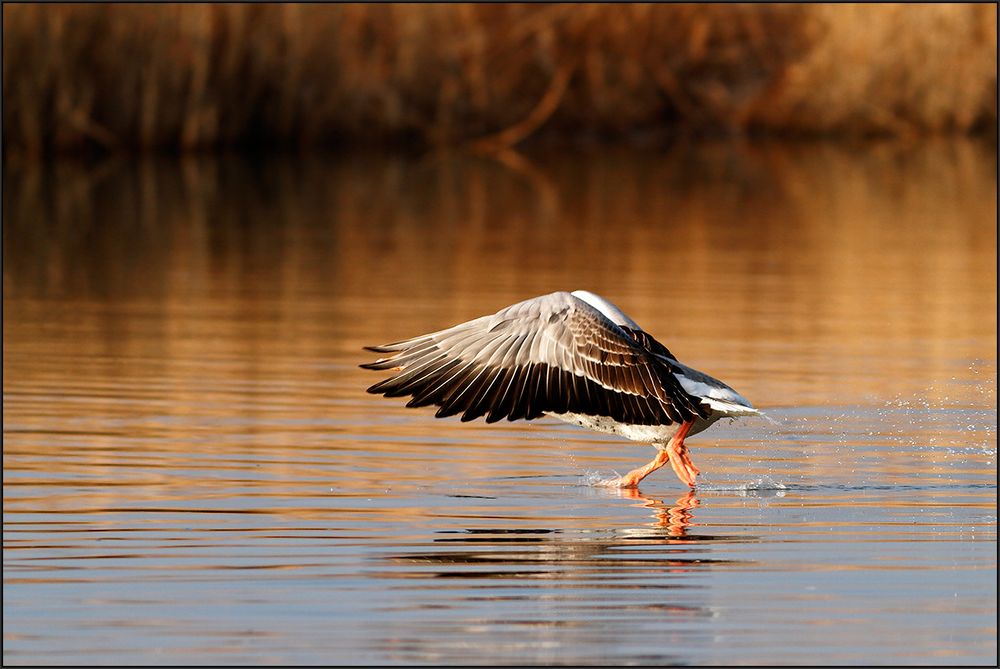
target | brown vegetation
[{"x": 192, "y": 76}]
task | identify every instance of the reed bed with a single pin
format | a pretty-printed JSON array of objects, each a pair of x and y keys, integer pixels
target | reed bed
[{"x": 193, "y": 76}]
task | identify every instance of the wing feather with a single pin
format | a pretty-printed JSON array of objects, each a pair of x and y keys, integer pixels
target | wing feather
[
  {"x": 551, "y": 354},
  {"x": 477, "y": 401}
]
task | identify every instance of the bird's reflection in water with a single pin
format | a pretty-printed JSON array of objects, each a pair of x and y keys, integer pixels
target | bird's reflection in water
[
  {"x": 675, "y": 520},
  {"x": 573, "y": 553},
  {"x": 595, "y": 578}
]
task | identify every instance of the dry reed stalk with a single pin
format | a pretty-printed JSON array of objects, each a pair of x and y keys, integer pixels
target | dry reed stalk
[
  {"x": 201, "y": 76},
  {"x": 899, "y": 69}
]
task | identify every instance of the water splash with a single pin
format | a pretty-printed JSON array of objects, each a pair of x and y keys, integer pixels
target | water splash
[
  {"x": 595, "y": 479},
  {"x": 773, "y": 421},
  {"x": 764, "y": 483},
  {"x": 955, "y": 417}
]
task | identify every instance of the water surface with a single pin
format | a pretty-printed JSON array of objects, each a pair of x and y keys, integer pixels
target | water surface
[{"x": 194, "y": 474}]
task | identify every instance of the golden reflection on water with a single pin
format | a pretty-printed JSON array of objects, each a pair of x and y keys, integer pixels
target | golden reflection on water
[
  {"x": 182, "y": 402},
  {"x": 852, "y": 253}
]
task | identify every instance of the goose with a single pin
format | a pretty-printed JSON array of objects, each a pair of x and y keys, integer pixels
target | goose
[{"x": 571, "y": 355}]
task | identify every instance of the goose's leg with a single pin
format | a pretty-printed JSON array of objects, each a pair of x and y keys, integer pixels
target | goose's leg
[
  {"x": 675, "y": 453},
  {"x": 679, "y": 459},
  {"x": 686, "y": 460},
  {"x": 631, "y": 480}
]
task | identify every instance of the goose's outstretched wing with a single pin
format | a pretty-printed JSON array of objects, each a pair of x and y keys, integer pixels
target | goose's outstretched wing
[{"x": 550, "y": 354}]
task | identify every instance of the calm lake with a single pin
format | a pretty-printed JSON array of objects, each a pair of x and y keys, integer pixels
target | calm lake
[{"x": 193, "y": 472}]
